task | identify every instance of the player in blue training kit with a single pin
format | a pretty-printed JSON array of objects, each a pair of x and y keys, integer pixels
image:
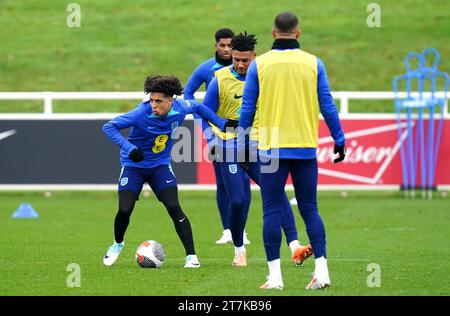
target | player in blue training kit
[
  {"x": 203, "y": 74},
  {"x": 145, "y": 157},
  {"x": 224, "y": 97},
  {"x": 290, "y": 86}
]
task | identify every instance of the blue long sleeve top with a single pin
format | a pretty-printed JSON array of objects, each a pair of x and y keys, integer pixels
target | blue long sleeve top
[{"x": 152, "y": 133}]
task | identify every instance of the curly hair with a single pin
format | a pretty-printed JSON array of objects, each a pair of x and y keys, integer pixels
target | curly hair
[
  {"x": 244, "y": 42},
  {"x": 168, "y": 85}
]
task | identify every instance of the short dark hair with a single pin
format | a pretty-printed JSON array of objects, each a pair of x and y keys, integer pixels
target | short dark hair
[
  {"x": 223, "y": 33},
  {"x": 168, "y": 85},
  {"x": 244, "y": 42},
  {"x": 286, "y": 22}
]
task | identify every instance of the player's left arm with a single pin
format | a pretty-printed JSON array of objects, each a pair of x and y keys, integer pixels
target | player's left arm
[
  {"x": 329, "y": 110},
  {"x": 250, "y": 97},
  {"x": 248, "y": 107},
  {"x": 211, "y": 100},
  {"x": 205, "y": 113},
  {"x": 327, "y": 106}
]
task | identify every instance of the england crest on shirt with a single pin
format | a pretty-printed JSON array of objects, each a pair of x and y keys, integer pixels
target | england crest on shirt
[{"x": 232, "y": 168}]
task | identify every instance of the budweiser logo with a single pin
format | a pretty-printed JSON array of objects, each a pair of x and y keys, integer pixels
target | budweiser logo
[
  {"x": 370, "y": 151},
  {"x": 356, "y": 153}
]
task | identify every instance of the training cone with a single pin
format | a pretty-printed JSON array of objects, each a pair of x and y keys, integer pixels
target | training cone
[{"x": 25, "y": 210}]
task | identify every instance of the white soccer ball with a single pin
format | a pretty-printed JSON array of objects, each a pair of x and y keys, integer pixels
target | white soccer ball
[{"x": 150, "y": 254}]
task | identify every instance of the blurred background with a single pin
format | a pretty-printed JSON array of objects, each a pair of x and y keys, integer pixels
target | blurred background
[{"x": 120, "y": 42}]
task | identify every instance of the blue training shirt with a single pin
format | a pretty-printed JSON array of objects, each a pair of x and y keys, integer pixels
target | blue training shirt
[
  {"x": 152, "y": 133},
  {"x": 203, "y": 74},
  {"x": 327, "y": 108}
]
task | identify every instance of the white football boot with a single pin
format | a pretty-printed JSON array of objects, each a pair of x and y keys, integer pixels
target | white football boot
[
  {"x": 240, "y": 259},
  {"x": 246, "y": 241},
  {"x": 113, "y": 253},
  {"x": 321, "y": 276},
  {"x": 192, "y": 262},
  {"x": 226, "y": 237},
  {"x": 318, "y": 283},
  {"x": 272, "y": 284}
]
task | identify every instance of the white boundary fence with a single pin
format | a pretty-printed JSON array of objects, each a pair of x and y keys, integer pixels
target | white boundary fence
[
  {"x": 48, "y": 114},
  {"x": 47, "y": 97}
]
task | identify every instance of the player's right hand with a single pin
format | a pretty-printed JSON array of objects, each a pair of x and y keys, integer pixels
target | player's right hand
[
  {"x": 231, "y": 124},
  {"x": 136, "y": 155}
]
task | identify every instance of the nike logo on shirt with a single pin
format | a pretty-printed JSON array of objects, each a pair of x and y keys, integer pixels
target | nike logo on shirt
[
  {"x": 237, "y": 96},
  {"x": 181, "y": 220},
  {"x": 168, "y": 181}
]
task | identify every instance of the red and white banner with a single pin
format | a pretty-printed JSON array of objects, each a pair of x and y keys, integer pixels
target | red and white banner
[{"x": 373, "y": 155}]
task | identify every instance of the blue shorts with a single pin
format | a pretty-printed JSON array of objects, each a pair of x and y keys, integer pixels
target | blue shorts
[{"x": 159, "y": 178}]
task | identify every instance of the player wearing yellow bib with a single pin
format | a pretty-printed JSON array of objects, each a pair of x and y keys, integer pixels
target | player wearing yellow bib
[
  {"x": 203, "y": 74},
  {"x": 290, "y": 86},
  {"x": 224, "y": 97}
]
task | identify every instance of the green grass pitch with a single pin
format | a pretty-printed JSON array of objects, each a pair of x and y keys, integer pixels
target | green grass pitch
[{"x": 407, "y": 239}]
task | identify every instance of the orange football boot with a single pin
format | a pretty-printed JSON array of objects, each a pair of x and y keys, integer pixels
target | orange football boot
[{"x": 301, "y": 254}]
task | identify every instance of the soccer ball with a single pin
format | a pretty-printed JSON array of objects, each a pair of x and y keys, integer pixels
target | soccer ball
[{"x": 150, "y": 254}]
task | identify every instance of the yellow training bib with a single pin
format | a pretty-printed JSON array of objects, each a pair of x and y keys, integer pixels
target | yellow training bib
[
  {"x": 288, "y": 108},
  {"x": 230, "y": 100}
]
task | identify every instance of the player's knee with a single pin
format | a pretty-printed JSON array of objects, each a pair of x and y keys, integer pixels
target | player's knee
[
  {"x": 237, "y": 204},
  {"x": 172, "y": 206},
  {"x": 308, "y": 210},
  {"x": 174, "y": 210},
  {"x": 127, "y": 200},
  {"x": 125, "y": 209}
]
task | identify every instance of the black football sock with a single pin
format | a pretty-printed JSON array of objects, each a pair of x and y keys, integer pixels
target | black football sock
[
  {"x": 169, "y": 197},
  {"x": 127, "y": 200}
]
